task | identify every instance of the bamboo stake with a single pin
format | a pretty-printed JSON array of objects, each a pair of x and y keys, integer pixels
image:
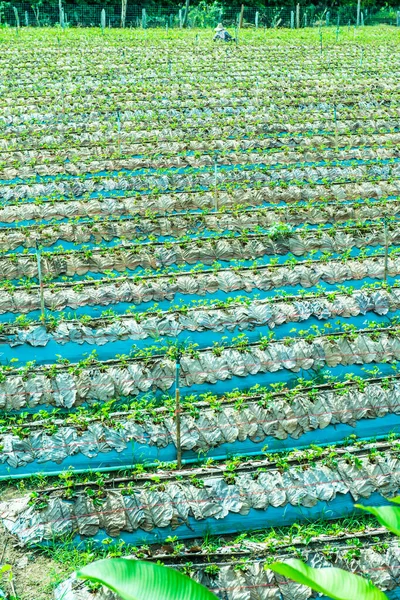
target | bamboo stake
[
  {"x": 385, "y": 272},
  {"x": 178, "y": 412},
  {"x": 215, "y": 185},
  {"x": 41, "y": 288},
  {"x": 336, "y": 128},
  {"x": 119, "y": 131}
]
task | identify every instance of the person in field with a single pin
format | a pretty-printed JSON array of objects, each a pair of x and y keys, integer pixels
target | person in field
[{"x": 222, "y": 34}]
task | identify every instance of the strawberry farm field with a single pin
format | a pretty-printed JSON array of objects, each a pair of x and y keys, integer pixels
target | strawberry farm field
[{"x": 199, "y": 305}]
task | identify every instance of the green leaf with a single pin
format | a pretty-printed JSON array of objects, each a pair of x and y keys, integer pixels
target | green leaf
[
  {"x": 388, "y": 516},
  {"x": 396, "y": 499},
  {"x": 140, "y": 580},
  {"x": 335, "y": 583}
]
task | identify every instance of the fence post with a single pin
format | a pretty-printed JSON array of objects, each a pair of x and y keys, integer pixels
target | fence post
[
  {"x": 17, "y": 24},
  {"x": 328, "y": 18},
  {"x": 185, "y": 16},
  {"x": 241, "y": 17},
  {"x": 36, "y": 13},
  {"x": 26, "y": 19},
  {"x": 398, "y": 18},
  {"x": 144, "y": 18},
  {"x": 291, "y": 19},
  {"x": 358, "y": 12},
  {"x": 362, "y": 18},
  {"x": 123, "y": 12},
  {"x": 180, "y": 18},
  {"x": 298, "y": 16},
  {"x": 305, "y": 19},
  {"x": 256, "y": 19},
  {"x": 103, "y": 20}
]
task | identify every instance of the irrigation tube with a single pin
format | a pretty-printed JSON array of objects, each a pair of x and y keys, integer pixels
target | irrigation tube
[{"x": 151, "y": 455}]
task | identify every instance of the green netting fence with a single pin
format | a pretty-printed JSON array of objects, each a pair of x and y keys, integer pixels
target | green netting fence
[{"x": 72, "y": 15}]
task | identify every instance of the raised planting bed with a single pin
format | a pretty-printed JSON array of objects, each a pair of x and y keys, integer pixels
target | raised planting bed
[
  {"x": 235, "y": 496},
  {"x": 240, "y": 423}
]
